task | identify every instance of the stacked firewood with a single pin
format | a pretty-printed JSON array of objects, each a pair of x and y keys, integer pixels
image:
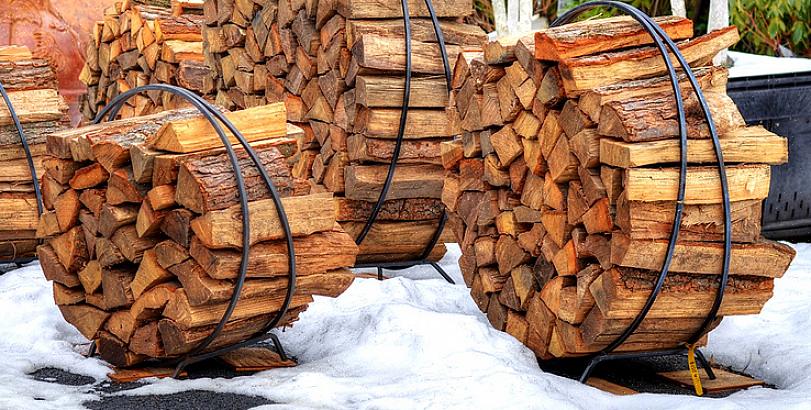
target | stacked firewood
[
  {"x": 563, "y": 188},
  {"x": 144, "y": 233},
  {"x": 138, "y": 44},
  {"x": 32, "y": 88},
  {"x": 338, "y": 66}
]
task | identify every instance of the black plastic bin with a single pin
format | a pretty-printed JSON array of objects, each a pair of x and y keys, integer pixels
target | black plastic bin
[{"x": 782, "y": 104}]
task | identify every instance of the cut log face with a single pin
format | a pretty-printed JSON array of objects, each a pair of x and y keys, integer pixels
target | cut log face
[{"x": 561, "y": 189}]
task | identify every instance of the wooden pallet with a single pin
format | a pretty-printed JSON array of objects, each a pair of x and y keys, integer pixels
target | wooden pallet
[
  {"x": 724, "y": 380},
  {"x": 255, "y": 359}
]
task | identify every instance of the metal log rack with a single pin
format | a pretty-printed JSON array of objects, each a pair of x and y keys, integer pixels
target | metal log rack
[
  {"x": 664, "y": 44},
  {"x": 20, "y": 261},
  {"x": 423, "y": 258},
  {"x": 215, "y": 117}
]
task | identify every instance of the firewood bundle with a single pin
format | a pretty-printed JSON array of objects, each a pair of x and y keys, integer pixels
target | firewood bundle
[
  {"x": 338, "y": 66},
  {"x": 144, "y": 233},
  {"x": 32, "y": 88},
  {"x": 563, "y": 188},
  {"x": 139, "y": 44}
]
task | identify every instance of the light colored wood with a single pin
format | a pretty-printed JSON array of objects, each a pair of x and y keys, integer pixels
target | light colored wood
[
  {"x": 724, "y": 380},
  {"x": 610, "y": 387},
  {"x": 748, "y": 145},
  {"x": 764, "y": 258},
  {"x": 306, "y": 214},
  {"x": 384, "y": 91},
  {"x": 703, "y": 184},
  {"x": 421, "y": 123},
  {"x": 34, "y": 106},
  {"x": 197, "y": 134},
  {"x": 133, "y": 375}
]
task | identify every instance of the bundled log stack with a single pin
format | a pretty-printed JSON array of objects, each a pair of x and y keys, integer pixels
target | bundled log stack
[
  {"x": 144, "y": 233},
  {"x": 32, "y": 87},
  {"x": 562, "y": 188},
  {"x": 338, "y": 66},
  {"x": 138, "y": 44}
]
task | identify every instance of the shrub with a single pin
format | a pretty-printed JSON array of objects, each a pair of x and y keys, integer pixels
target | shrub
[{"x": 767, "y": 24}]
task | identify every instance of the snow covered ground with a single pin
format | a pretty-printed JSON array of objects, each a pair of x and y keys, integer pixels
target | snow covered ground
[{"x": 411, "y": 343}]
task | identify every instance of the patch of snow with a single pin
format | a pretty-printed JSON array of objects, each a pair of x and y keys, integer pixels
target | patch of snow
[
  {"x": 413, "y": 341},
  {"x": 34, "y": 335}
]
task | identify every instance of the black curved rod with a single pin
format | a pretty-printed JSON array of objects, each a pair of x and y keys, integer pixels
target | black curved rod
[
  {"x": 400, "y": 132},
  {"x": 440, "y": 38},
  {"x": 648, "y": 24},
  {"x": 26, "y": 148},
  {"x": 210, "y": 113}
]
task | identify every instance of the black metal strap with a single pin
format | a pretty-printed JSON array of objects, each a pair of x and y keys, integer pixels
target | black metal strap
[
  {"x": 26, "y": 148},
  {"x": 214, "y": 117},
  {"x": 662, "y": 40}
]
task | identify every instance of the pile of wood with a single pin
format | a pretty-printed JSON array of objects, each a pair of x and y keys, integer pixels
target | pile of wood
[
  {"x": 32, "y": 88},
  {"x": 338, "y": 66},
  {"x": 562, "y": 188},
  {"x": 138, "y": 44},
  {"x": 144, "y": 234}
]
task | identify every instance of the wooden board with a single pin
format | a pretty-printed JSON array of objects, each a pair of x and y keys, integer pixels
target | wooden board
[
  {"x": 724, "y": 380},
  {"x": 610, "y": 387},
  {"x": 703, "y": 185},
  {"x": 133, "y": 375},
  {"x": 255, "y": 359},
  {"x": 743, "y": 145}
]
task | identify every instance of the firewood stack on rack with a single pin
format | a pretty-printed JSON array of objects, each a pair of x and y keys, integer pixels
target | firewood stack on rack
[
  {"x": 562, "y": 188},
  {"x": 339, "y": 67},
  {"x": 32, "y": 88},
  {"x": 145, "y": 42},
  {"x": 143, "y": 233}
]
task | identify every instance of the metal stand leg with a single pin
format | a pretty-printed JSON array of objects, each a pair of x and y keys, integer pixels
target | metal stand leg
[
  {"x": 705, "y": 364},
  {"x": 278, "y": 345},
  {"x": 443, "y": 273},
  {"x": 379, "y": 273},
  {"x": 91, "y": 351}
]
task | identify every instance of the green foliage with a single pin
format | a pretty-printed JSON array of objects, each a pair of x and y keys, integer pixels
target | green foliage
[
  {"x": 650, "y": 7},
  {"x": 767, "y": 24}
]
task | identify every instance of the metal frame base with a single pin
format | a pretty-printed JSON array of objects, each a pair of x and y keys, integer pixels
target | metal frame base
[
  {"x": 607, "y": 357},
  {"x": 405, "y": 265},
  {"x": 182, "y": 364}
]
